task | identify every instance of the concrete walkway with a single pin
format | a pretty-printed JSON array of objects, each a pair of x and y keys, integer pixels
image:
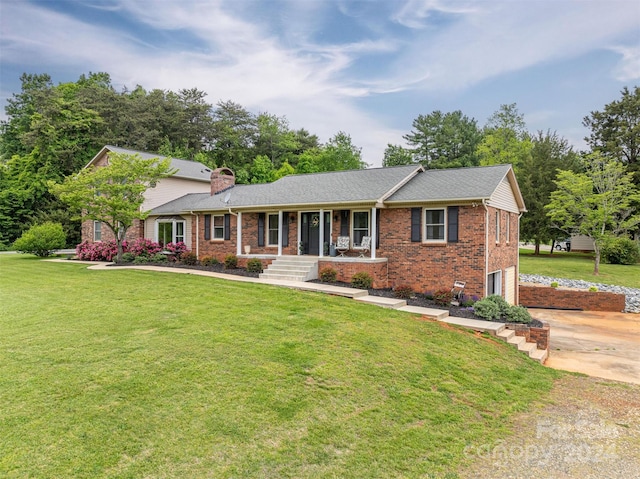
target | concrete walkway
[{"x": 360, "y": 295}]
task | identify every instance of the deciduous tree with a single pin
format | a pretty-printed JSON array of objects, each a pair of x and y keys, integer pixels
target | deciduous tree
[
  {"x": 113, "y": 194},
  {"x": 597, "y": 203}
]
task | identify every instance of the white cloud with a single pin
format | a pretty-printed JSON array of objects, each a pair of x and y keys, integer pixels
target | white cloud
[{"x": 628, "y": 68}]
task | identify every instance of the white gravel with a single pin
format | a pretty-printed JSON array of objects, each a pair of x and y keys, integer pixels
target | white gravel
[{"x": 632, "y": 295}]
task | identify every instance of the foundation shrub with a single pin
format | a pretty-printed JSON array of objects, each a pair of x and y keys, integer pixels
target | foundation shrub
[
  {"x": 209, "y": 261},
  {"x": 518, "y": 314},
  {"x": 403, "y": 291},
  {"x": 362, "y": 280},
  {"x": 328, "y": 275},
  {"x": 443, "y": 297},
  {"x": 487, "y": 309},
  {"x": 190, "y": 259},
  {"x": 230, "y": 261},
  {"x": 254, "y": 265}
]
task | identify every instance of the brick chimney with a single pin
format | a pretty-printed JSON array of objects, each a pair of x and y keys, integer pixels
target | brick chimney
[{"x": 222, "y": 179}]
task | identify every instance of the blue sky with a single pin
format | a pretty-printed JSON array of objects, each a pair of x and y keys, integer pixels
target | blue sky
[{"x": 366, "y": 67}]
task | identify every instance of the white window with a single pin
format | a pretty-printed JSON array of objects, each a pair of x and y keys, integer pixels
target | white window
[
  {"x": 170, "y": 231},
  {"x": 434, "y": 225},
  {"x": 494, "y": 283},
  {"x": 218, "y": 227},
  {"x": 97, "y": 231},
  {"x": 497, "y": 226},
  {"x": 360, "y": 226},
  {"x": 508, "y": 227},
  {"x": 272, "y": 225}
]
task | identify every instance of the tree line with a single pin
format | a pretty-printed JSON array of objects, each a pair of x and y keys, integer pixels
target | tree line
[{"x": 53, "y": 131}]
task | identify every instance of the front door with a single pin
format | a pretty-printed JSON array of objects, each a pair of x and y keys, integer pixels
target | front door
[{"x": 310, "y": 232}]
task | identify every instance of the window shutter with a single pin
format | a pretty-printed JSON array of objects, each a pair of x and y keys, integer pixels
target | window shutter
[
  {"x": 344, "y": 223},
  {"x": 260, "y": 229},
  {"x": 452, "y": 224},
  {"x": 378, "y": 229},
  {"x": 416, "y": 223},
  {"x": 285, "y": 229},
  {"x": 207, "y": 227},
  {"x": 227, "y": 226}
]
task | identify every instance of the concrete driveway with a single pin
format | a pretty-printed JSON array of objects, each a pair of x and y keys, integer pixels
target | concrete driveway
[{"x": 605, "y": 345}]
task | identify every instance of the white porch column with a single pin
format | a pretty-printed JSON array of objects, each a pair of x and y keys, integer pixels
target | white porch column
[
  {"x": 279, "y": 232},
  {"x": 321, "y": 247},
  {"x": 374, "y": 232},
  {"x": 239, "y": 234}
]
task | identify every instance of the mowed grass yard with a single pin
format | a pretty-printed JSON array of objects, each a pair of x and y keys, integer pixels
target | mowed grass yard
[
  {"x": 128, "y": 374},
  {"x": 572, "y": 265}
]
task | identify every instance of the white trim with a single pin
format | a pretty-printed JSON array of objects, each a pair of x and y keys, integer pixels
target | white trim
[
  {"x": 374, "y": 232},
  {"x": 507, "y": 227},
  {"x": 268, "y": 228},
  {"x": 425, "y": 224},
  {"x": 321, "y": 234},
  {"x": 352, "y": 223},
  {"x": 497, "y": 216},
  {"x": 499, "y": 285},
  {"x": 174, "y": 229},
  {"x": 239, "y": 234},
  {"x": 213, "y": 228},
  {"x": 279, "y": 232}
]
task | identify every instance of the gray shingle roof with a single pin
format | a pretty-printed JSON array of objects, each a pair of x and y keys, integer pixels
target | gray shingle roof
[
  {"x": 452, "y": 184},
  {"x": 351, "y": 187},
  {"x": 192, "y": 170}
]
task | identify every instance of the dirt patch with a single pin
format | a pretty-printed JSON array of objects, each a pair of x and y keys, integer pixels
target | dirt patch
[{"x": 587, "y": 428}]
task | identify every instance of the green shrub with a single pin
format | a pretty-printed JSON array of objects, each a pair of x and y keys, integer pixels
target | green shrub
[
  {"x": 41, "y": 240},
  {"x": 467, "y": 302},
  {"x": 3, "y": 247},
  {"x": 190, "y": 259},
  {"x": 254, "y": 265},
  {"x": 141, "y": 259},
  {"x": 159, "y": 258},
  {"x": 620, "y": 250},
  {"x": 404, "y": 291},
  {"x": 554, "y": 284},
  {"x": 443, "y": 297},
  {"x": 362, "y": 280},
  {"x": 128, "y": 257},
  {"x": 500, "y": 302},
  {"x": 487, "y": 309},
  {"x": 593, "y": 289},
  {"x": 209, "y": 261},
  {"x": 328, "y": 275},
  {"x": 518, "y": 314},
  {"x": 230, "y": 261}
]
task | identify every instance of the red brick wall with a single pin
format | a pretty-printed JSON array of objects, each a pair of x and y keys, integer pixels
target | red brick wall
[
  {"x": 136, "y": 231},
  {"x": 428, "y": 267},
  {"x": 532, "y": 334},
  {"x": 346, "y": 269},
  {"x": 220, "y": 248},
  {"x": 533, "y": 296}
]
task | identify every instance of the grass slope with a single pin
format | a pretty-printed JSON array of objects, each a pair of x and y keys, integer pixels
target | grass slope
[
  {"x": 578, "y": 266},
  {"x": 138, "y": 374}
]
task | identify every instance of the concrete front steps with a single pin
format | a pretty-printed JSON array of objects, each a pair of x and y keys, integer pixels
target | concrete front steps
[
  {"x": 291, "y": 268},
  {"x": 521, "y": 343}
]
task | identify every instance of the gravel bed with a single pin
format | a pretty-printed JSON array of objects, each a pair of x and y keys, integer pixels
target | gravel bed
[{"x": 632, "y": 295}]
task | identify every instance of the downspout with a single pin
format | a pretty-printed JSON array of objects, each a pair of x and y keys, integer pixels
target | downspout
[
  {"x": 197, "y": 233},
  {"x": 517, "y": 298},
  {"x": 486, "y": 244},
  {"x": 238, "y": 232}
]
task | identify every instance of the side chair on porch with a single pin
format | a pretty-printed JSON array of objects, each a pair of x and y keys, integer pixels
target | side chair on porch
[
  {"x": 342, "y": 245},
  {"x": 365, "y": 246}
]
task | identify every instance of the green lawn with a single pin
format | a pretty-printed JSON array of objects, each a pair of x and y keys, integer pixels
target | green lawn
[
  {"x": 127, "y": 374},
  {"x": 561, "y": 264}
]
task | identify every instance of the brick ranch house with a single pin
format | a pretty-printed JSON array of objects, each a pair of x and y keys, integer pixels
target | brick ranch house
[{"x": 427, "y": 228}]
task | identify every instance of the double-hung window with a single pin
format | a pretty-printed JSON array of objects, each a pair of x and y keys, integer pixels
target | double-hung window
[
  {"x": 434, "y": 225},
  {"x": 97, "y": 231},
  {"x": 218, "y": 227},
  {"x": 272, "y": 235},
  {"x": 360, "y": 226},
  {"x": 498, "y": 226}
]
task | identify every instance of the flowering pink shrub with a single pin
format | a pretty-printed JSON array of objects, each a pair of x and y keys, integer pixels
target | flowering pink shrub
[
  {"x": 100, "y": 251},
  {"x": 144, "y": 246},
  {"x": 177, "y": 249}
]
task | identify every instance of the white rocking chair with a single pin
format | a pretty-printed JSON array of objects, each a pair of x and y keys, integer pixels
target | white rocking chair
[{"x": 365, "y": 246}]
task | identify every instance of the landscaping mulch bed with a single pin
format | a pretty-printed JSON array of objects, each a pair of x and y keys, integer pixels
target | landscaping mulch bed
[{"x": 416, "y": 300}]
